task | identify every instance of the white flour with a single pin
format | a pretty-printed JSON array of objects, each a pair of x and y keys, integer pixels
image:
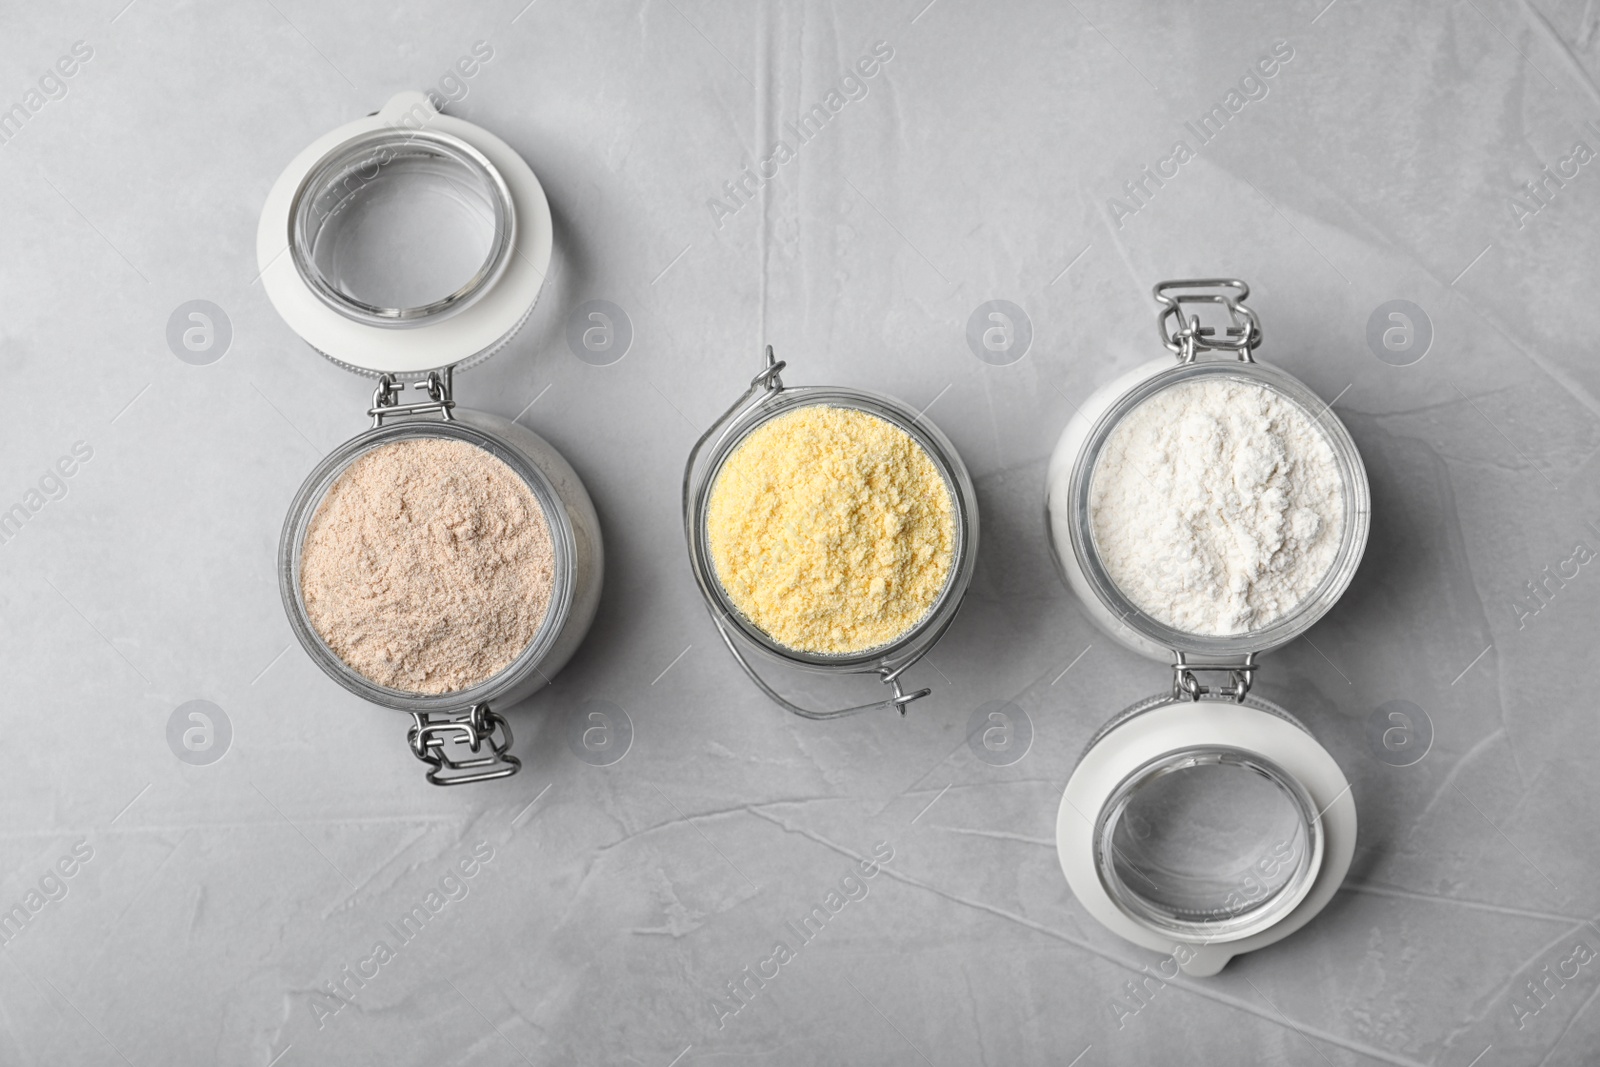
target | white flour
[{"x": 1216, "y": 506}]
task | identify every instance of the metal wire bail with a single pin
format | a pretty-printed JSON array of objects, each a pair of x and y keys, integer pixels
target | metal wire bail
[
  {"x": 1186, "y": 686},
  {"x": 438, "y": 387},
  {"x": 438, "y": 738},
  {"x": 1242, "y": 336}
]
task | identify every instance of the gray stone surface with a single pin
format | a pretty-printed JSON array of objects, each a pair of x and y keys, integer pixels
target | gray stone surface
[{"x": 620, "y": 900}]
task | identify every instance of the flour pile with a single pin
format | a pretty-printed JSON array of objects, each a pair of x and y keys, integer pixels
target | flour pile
[
  {"x": 1216, "y": 506},
  {"x": 429, "y": 566}
]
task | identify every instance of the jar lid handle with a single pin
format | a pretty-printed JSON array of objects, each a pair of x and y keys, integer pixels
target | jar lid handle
[{"x": 408, "y": 103}]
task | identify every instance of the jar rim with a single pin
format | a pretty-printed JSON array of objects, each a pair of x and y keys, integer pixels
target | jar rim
[
  {"x": 363, "y": 150},
  {"x": 1241, "y": 922},
  {"x": 958, "y": 483},
  {"x": 1299, "y": 619},
  {"x": 314, "y": 490}
]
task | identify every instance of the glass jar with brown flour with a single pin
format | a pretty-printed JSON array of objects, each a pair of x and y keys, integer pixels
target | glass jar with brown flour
[
  {"x": 1206, "y": 510},
  {"x": 445, "y": 562}
]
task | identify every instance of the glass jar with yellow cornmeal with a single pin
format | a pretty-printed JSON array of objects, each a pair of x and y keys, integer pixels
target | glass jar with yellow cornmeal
[{"x": 829, "y": 529}]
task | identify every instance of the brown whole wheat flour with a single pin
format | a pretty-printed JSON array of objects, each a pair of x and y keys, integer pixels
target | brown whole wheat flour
[{"x": 428, "y": 567}]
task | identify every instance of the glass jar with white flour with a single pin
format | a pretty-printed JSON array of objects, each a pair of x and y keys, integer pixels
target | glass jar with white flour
[{"x": 1206, "y": 509}]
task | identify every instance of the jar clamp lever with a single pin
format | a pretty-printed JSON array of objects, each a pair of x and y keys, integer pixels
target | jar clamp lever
[
  {"x": 431, "y": 734},
  {"x": 1242, "y": 336},
  {"x": 763, "y": 386},
  {"x": 438, "y": 387},
  {"x": 1185, "y": 686}
]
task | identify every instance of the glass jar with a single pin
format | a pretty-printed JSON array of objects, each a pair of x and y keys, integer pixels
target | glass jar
[
  {"x": 412, "y": 244},
  {"x": 767, "y": 399},
  {"x": 1202, "y": 822}
]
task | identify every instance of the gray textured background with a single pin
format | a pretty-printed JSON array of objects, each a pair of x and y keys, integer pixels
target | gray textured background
[{"x": 622, "y": 899}]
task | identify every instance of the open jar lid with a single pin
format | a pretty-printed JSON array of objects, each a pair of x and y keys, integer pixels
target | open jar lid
[
  {"x": 1205, "y": 828},
  {"x": 405, "y": 241}
]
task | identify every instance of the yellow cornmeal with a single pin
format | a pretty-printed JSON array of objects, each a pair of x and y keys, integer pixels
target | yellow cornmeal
[{"x": 831, "y": 529}]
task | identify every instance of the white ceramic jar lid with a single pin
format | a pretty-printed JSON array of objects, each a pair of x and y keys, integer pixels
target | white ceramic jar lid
[
  {"x": 1205, "y": 828},
  {"x": 405, "y": 241}
]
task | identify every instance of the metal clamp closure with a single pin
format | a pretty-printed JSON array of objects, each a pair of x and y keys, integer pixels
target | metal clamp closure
[
  {"x": 901, "y": 698},
  {"x": 437, "y": 738},
  {"x": 1186, "y": 686},
  {"x": 1183, "y": 334},
  {"x": 386, "y": 397}
]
